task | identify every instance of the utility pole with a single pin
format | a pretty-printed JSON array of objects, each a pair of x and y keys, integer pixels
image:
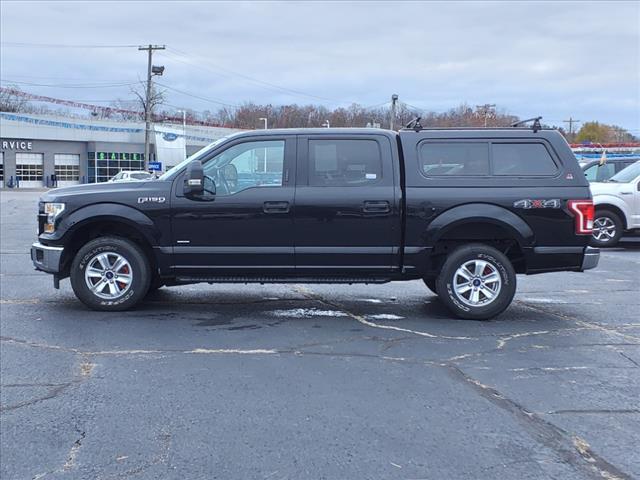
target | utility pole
[
  {"x": 394, "y": 103},
  {"x": 571, "y": 121},
  {"x": 486, "y": 109},
  {"x": 151, "y": 70}
]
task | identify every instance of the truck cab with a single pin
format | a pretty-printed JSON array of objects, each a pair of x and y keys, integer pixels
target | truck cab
[{"x": 333, "y": 206}]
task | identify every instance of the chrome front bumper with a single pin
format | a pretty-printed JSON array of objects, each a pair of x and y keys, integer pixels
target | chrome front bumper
[
  {"x": 591, "y": 258},
  {"x": 46, "y": 258}
]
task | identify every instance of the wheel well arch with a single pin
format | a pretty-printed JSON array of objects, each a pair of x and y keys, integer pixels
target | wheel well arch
[
  {"x": 498, "y": 235},
  {"x": 617, "y": 210},
  {"x": 96, "y": 227}
]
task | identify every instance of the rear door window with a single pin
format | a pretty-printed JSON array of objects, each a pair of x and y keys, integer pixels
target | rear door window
[
  {"x": 522, "y": 159},
  {"x": 344, "y": 162},
  {"x": 454, "y": 159}
]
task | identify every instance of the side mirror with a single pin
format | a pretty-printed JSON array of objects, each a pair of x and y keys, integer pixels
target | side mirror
[{"x": 194, "y": 179}]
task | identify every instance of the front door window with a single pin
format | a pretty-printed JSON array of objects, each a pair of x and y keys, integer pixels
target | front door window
[{"x": 247, "y": 165}]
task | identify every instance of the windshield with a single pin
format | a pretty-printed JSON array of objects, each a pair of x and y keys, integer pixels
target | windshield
[
  {"x": 169, "y": 174},
  {"x": 627, "y": 175}
]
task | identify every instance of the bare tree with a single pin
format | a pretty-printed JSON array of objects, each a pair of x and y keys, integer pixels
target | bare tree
[
  {"x": 157, "y": 98},
  {"x": 12, "y": 101}
]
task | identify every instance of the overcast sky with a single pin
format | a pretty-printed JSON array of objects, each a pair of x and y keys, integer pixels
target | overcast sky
[{"x": 555, "y": 59}]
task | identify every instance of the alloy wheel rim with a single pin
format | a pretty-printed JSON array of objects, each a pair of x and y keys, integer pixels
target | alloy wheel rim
[
  {"x": 477, "y": 283},
  {"x": 604, "y": 229},
  {"x": 108, "y": 275}
]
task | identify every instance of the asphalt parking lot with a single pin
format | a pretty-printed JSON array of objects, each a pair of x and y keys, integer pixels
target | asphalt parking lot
[{"x": 318, "y": 382}]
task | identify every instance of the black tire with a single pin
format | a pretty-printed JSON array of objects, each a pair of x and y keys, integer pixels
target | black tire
[
  {"x": 606, "y": 220},
  {"x": 113, "y": 247},
  {"x": 503, "y": 281},
  {"x": 430, "y": 282}
]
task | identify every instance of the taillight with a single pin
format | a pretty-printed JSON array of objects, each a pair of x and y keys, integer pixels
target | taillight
[{"x": 584, "y": 212}]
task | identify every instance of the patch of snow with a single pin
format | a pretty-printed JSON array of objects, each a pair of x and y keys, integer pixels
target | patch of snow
[
  {"x": 385, "y": 316},
  {"x": 307, "y": 313}
]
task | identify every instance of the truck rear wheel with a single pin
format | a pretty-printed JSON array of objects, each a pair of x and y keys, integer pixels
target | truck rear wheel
[
  {"x": 476, "y": 282},
  {"x": 110, "y": 274}
]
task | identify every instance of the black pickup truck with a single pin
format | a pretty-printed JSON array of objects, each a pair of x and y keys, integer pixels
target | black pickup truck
[{"x": 465, "y": 210}]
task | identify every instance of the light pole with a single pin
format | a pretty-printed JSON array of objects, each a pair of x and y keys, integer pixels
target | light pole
[
  {"x": 326, "y": 124},
  {"x": 265, "y": 149},
  {"x": 152, "y": 70},
  {"x": 184, "y": 129},
  {"x": 394, "y": 103}
]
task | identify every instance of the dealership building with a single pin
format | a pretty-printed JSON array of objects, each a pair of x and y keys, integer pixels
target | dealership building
[{"x": 46, "y": 151}]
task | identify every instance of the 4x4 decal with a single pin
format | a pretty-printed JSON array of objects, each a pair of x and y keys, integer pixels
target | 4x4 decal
[{"x": 540, "y": 203}]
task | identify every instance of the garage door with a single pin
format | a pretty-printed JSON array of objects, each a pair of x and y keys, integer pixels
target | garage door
[
  {"x": 67, "y": 168},
  {"x": 29, "y": 169}
]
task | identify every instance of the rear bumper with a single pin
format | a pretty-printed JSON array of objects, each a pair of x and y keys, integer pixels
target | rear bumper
[
  {"x": 46, "y": 258},
  {"x": 561, "y": 259},
  {"x": 591, "y": 258}
]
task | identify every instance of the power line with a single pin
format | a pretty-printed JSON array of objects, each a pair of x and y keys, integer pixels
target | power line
[
  {"x": 216, "y": 101},
  {"x": 69, "y": 85},
  {"x": 204, "y": 63},
  {"x": 486, "y": 109},
  {"x": 571, "y": 121},
  {"x": 61, "y": 45}
]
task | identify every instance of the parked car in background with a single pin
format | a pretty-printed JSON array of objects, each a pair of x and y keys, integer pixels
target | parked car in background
[
  {"x": 132, "y": 176},
  {"x": 617, "y": 203},
  {"x": 600, "y": 173}
]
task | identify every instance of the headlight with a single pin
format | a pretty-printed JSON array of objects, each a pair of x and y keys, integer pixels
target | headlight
[{"x": 53, "y": 211}]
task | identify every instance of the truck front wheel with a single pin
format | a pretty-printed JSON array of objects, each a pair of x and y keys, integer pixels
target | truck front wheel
[
  {"x": 110, "y": 274},
  {"x": 476, "y": 282}
]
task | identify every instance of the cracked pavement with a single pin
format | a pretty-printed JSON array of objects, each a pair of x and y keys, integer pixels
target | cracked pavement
[{"x": 317, "y": 381}]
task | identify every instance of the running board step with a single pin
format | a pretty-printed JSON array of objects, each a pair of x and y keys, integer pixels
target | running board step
[{"x": 268, "y": 279}]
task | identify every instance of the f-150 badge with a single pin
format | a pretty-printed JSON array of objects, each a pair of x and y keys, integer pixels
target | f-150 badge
[
  {"x": 152, "y": 199},
  {"x": 528, "y": 203}
]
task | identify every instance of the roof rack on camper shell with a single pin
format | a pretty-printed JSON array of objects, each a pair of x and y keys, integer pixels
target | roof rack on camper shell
[{"x": 535, "y": 126}]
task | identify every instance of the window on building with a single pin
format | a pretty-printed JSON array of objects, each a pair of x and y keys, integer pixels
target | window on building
[
  {"x": 29, "y": 167},
  {"x": 454, "y": 159},
  {"x": 103, "y": 166},
  {"x": 246, "y": 165},
  {"x": 344, "y": 162},
  {"x": 1, "y": 168},
  {"x": 522, "y": 159}
]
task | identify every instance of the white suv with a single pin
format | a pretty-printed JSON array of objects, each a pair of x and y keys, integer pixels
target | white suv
[{"x": 617, "y": 203}]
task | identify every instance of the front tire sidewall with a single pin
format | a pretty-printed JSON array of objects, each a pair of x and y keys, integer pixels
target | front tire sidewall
[
  {"x": 140, "y": 273},
  {"x": 613, "y": 241},
  {"x": 462, "y": 255}
]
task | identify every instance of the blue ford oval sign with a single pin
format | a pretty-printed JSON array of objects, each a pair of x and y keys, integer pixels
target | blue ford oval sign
[{"x": 169, "y": 136}]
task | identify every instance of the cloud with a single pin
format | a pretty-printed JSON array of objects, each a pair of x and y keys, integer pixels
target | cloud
[{"x": 554, "y": 59}]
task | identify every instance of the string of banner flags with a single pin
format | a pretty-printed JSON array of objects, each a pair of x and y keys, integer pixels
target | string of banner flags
[
  {"x": 97, "y": 128},
  {"x": 106, "y": 111}
]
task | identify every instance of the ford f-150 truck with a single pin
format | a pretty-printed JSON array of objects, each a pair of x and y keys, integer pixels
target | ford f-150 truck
[{"x": 465, "y": 210}]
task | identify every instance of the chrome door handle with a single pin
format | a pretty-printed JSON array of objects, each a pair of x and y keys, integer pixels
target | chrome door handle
[
  {"x": 376, "y": 206},
  {"x": 275, "y": 207}
]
